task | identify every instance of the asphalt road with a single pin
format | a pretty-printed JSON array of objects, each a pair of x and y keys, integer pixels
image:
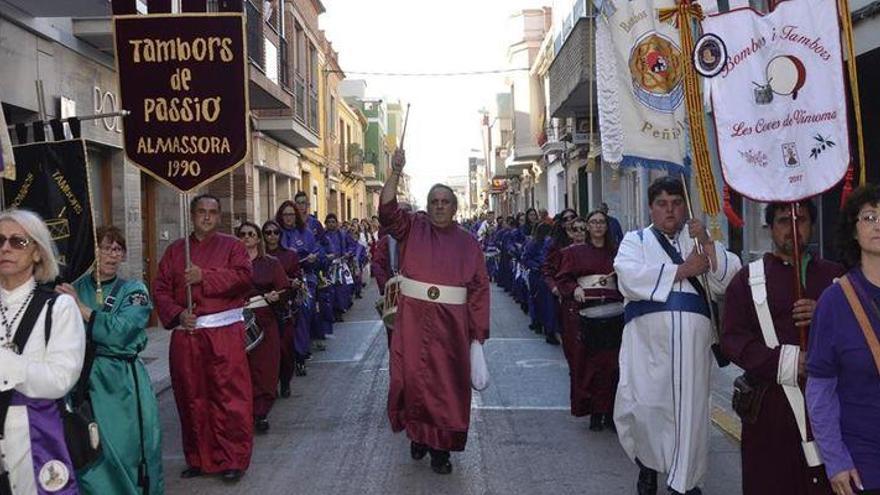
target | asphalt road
[{"x": 332, "y": 435}]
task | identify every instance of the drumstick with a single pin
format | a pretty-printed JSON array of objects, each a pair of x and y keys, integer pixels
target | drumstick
[{"x": 403, "y": 133}]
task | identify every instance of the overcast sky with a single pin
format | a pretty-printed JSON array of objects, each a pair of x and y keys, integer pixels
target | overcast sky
[{"x": 421, "y": 36}]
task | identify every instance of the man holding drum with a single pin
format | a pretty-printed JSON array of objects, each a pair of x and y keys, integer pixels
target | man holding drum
[
  {"x": 662, "y": 406},
  {"x": 209, "y": 367},
  {"x": 443, "y": 314}
]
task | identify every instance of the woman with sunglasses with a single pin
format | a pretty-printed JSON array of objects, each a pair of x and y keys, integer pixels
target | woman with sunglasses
[
  {"x": 592, "y": 318},
  {"x": 558, "y": 240},
  {"x": 119, "y": 387},
  {"x": 843, "y": 360},
  {"x": 37, "y": 372},
  {"x": 271, "y": 289},
  {"x": 294, "y": 338}
]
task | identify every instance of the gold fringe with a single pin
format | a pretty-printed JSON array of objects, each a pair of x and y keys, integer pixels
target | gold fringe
[
  {"x": 846, "y": 24},
  {"x": 682, "y": 16}
]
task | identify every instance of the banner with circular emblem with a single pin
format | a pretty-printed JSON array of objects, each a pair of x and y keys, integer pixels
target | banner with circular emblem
[{"x": 779, "y": 103}]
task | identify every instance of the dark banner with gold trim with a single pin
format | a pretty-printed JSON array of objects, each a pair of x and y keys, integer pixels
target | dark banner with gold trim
[
  {"x": 52, "y": 180},
  {"x": 183, "y": 78}
]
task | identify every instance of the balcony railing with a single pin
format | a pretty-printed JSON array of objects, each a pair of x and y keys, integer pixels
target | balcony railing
[
  {"x": 284, "y": 66},
  {"x": 255, "y": 38}
]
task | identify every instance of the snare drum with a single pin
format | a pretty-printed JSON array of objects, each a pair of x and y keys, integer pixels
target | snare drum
[
  {"x": 602, "y": 325},
  {"x": 389, "y": 306},
  {"x": 253, "y": 334}
]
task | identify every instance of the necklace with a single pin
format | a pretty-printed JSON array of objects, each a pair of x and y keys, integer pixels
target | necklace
[{"x": 8, "y": 324}]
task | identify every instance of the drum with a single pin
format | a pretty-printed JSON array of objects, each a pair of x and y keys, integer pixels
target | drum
[
  {"x": 389, "y": 305},
  {"x": 253, "y": 334},
  {"x": 602, "y": 325}
]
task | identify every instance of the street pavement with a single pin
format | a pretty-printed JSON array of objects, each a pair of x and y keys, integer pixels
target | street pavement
[{"x": 332, "y": 436}]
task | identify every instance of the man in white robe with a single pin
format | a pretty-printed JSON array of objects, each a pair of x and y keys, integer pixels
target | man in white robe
[{"x": 662, "y": 405}]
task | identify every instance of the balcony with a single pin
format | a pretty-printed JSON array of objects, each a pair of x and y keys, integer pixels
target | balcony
[
  {"x": 285, "y": 127},
  {"x": 265, "y": 64},
  {"x": 66, "y": 8},
  {"x": 96, "y": 31},
  {"x": 571, "y": 74}
]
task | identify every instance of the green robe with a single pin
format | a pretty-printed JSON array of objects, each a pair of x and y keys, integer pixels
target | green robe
[{"x": 119, "y": 336}]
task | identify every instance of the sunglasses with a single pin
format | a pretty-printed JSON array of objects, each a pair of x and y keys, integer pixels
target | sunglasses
[
  {"x": 247, "y": 233},
  {"x": 271, "y": 232},
  {"x": 578, "y": 229},
  {"x": 15, "y": 241}
]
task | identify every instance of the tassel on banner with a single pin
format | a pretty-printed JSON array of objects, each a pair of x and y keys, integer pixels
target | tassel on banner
[
  {"x": 729, "y": 212},
  {"x": 682, "y": 17},
  {"x": 847, "y": 186}
]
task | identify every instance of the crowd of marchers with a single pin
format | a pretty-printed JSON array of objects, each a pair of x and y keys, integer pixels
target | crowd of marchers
[
  {"x": 635, "y": 315},
  {"x": 637, "y": 318}
]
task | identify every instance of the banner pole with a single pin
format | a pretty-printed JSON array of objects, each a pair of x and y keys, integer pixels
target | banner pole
[
  {"x": 189, "y": 296},
  {"x": 716, "y": 347},
  {"x": 797, "y": 262}
]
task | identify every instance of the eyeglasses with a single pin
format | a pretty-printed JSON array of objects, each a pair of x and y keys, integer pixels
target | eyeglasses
[
  {"x": 288, "y": 214},
  {"x": 597, "y": 222},
  {"x": 871, "y": 218},
  {"x": 301, "y": 202},
  {"x": 271, "y": 232},
  {"x": 112, "y": 249},
  {"x": 247, "y": 233},
  {"x": 16, "y": 242}
]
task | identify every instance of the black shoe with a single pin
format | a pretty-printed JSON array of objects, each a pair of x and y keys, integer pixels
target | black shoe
[
  {"x": 534, "y": 326},
  {"x": 261, "y": 424},
  {"x": 285, "y": 389},
  {"x": 300, "y": 369},
  {"x": 418, "y": 451},
  {"x": 191, "y": 472},
  {"x": 596, "y": 422},
  {"x": 440, "y": 462},
  {"x": 232, "y": 475},
  {"x": 552, "y": 339},
  {"x": 539, "y": 329},
  {"x": 647, "y": 484},
  {"x": 608, "y": 421}
]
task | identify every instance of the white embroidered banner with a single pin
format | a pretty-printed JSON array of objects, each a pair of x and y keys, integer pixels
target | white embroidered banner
[
  {"x": 779, "y": 104},
  {"x": 640, "y": 74}
]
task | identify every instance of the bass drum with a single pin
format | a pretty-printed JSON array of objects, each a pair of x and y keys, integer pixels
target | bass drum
[{"x": 253, "y": 334}]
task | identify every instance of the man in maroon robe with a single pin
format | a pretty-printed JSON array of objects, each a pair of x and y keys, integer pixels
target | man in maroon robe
[
  {"x": 773, "y": 461},
  {"x": 209, "y": 367},
  {"x": 443, "y": 309}
]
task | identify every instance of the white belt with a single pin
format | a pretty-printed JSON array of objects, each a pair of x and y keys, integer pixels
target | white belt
[
  {"x": 598, "y": 282},
  {"x": 443, "y": 294},
  {"x": 220, "y": 319},
  {"x": 257, "y": 302}
]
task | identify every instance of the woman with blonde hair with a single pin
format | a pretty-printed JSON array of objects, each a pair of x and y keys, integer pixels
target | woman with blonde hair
[{"x": 42, "y": 345}]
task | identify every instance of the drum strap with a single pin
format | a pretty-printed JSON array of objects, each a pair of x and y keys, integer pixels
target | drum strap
[{"x": 758, "y": 285}]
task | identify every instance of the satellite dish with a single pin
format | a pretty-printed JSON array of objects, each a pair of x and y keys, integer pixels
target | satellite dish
[{"x": 786, "y": 75}]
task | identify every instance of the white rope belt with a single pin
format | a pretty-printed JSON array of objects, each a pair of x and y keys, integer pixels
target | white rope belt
[
  {"x": 220, "y": 319},
  {"x": 435, "y": 293}
]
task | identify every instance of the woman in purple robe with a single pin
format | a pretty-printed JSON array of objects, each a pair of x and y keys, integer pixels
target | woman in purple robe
[{"x": 843, "y": 371}]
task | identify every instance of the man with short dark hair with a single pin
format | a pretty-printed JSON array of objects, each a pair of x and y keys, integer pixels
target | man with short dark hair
[
  {"x": 762, "y": 324},
  {"x": 662, "y": 405},
  {"x": 442, "y": 316},
  {"x": 209, "y": 367}
]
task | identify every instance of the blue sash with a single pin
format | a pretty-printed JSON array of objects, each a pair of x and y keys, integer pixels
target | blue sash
[{"x": 677, "y": 301}]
